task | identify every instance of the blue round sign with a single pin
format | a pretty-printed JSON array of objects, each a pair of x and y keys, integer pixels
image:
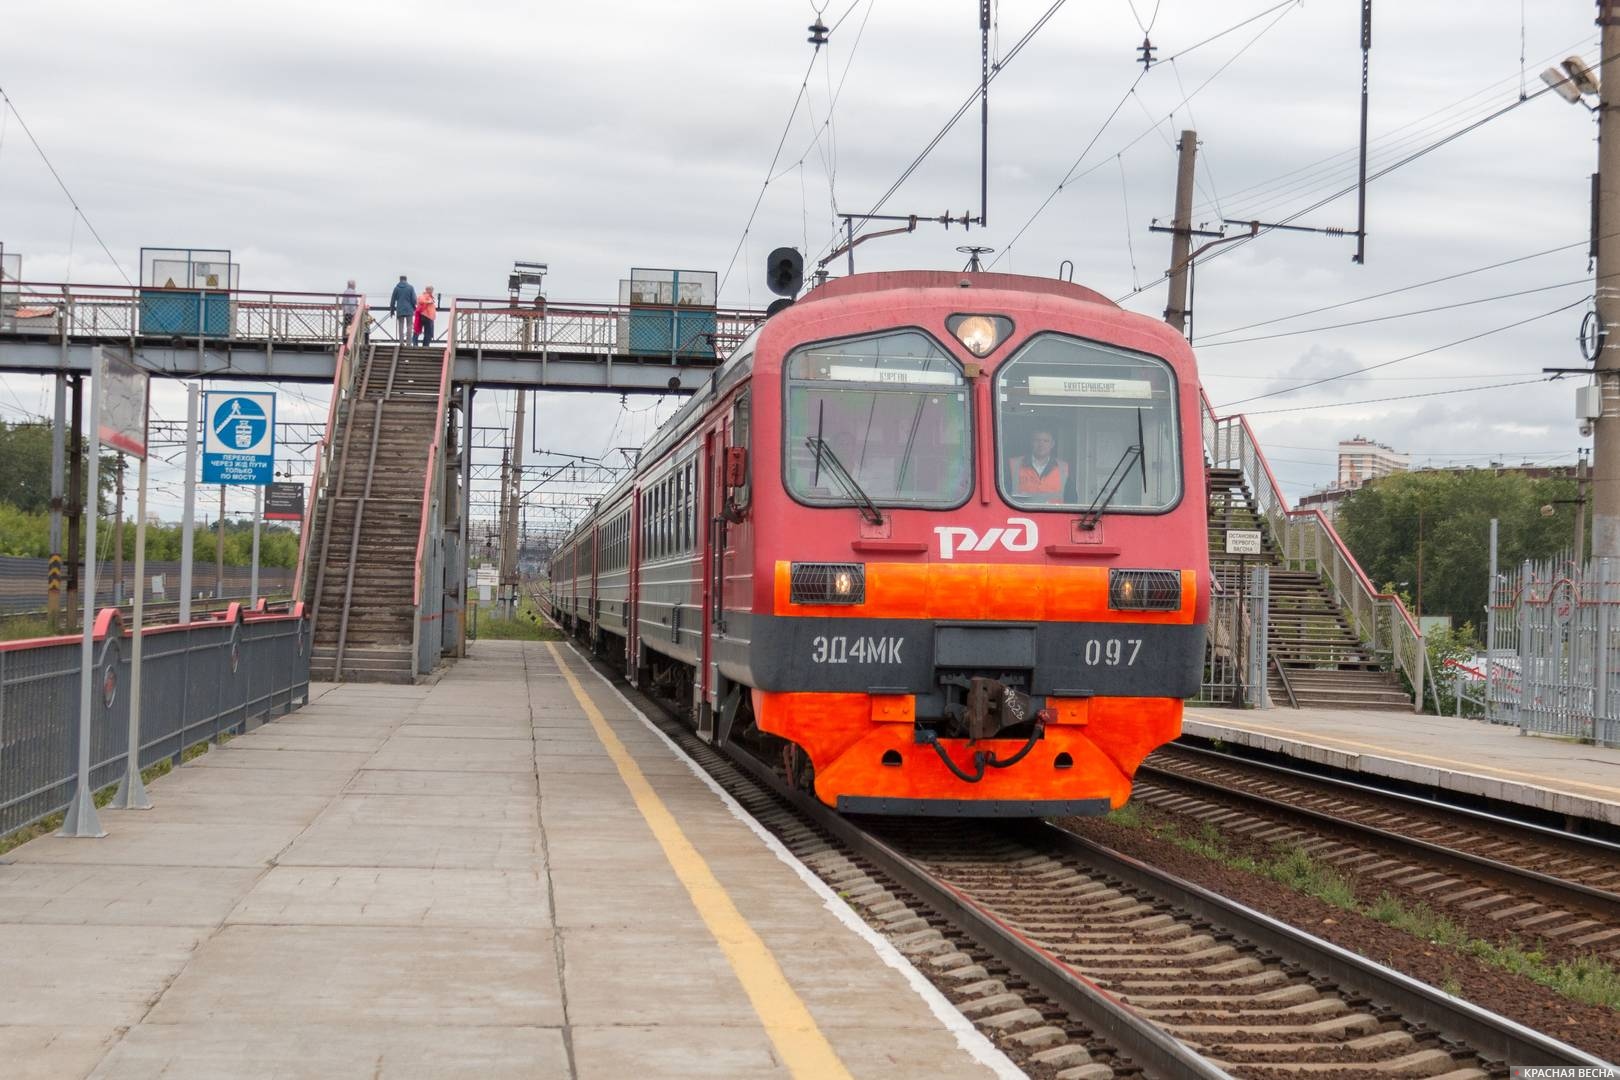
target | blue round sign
[{"x": 239, "y": 423}]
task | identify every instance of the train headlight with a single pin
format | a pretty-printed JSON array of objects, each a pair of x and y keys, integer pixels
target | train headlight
[
  {"x": 1144, "y": 590},
  {"x": 827, "y": 583},
  {"x": 980, "y": 333}
]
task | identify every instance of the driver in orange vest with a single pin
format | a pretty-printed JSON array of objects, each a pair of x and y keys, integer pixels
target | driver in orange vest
[{"x": 1040, "y": 475}]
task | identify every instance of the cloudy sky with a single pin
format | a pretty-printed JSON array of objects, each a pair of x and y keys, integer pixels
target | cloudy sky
[{"x": 322, "y": 141}]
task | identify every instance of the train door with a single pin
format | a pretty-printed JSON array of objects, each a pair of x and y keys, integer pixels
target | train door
[{"x": 713, "y": 562}]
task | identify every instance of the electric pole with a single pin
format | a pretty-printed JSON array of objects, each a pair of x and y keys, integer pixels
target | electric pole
[
  {"x": 1175, "y": 312},
  {"x": 509, "y": 548},
  {"x": 1606, "y": 428}
]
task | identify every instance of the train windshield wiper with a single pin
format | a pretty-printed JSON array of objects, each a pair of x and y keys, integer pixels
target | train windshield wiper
[
  {"x": 1122, "y": 468},
  {"x": 852, "y": 487}
]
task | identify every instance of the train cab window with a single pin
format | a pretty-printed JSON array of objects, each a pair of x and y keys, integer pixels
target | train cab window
[
  {"x": 1076, "y": 420},
  {"x": 739, "y": 437},
  {"x": 889, "y": 412}
]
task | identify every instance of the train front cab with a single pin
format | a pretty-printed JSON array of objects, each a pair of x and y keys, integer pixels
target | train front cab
[{"x": 935, "y": 629}]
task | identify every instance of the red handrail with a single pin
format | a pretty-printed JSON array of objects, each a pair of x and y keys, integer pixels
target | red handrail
[
  {"x": 345, "y": 352},
  {"x": 433, "y": 454}
]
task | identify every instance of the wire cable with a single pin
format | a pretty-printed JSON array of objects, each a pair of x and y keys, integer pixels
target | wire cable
[
  {"x": 63, "y": 185},
  {"x": 1586, "y": 281},
  {"x": 792, "y": 115},
  {"x": 1402, "y": 359},
  {"x": 1398, "y": 397}
]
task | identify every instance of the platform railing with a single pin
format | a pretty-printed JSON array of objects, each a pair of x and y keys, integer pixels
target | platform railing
[
  {"x": 216, "y": 674},
  {"x": 129, "y": 312},
  {"x": 1307, "y": 540},
  {"x": 342, "y": 390},
  {"x": 596, "y": 329},
  {"x": 427, "y": 599}
]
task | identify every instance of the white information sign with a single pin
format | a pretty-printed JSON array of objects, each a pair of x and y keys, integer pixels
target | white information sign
[
  {"x": 239, "y": 437},
  {"x": 1243, "y": 542},
  {"x": 893, "y": 376},
  {"x": 1064, "y": 386},
  {"x": 121, "y": 421}
]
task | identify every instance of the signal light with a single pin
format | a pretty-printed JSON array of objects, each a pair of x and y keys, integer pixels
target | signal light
[{"x": 784, "y": 273}]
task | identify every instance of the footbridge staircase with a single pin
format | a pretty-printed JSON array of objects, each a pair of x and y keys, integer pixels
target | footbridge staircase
[
  {"x": 1320, "y": 632},
  {"x": 379, "y": 532}
]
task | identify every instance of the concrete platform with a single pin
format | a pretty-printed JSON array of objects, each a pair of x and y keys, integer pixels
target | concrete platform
[
  {"x": 1449, "y": 753},
  {"x": 482, "y": 878}
]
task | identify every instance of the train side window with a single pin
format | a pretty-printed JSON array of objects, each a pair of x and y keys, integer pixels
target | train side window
[{"x": 739, "y": 437}]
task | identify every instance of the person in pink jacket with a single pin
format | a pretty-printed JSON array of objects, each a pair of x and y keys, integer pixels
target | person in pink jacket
[{"x": 427, "y": 309}]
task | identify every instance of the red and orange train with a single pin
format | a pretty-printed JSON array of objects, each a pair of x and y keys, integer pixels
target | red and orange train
[{"x": 935, "y": 541}]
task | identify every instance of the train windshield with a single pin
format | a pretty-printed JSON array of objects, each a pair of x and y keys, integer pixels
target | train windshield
[
  {"x": 1083, "y": 426},
  {"x": 889, "y": 412}
]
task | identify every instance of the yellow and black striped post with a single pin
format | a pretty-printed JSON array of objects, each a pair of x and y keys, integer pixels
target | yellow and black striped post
[{"x": 53, "y": 591}]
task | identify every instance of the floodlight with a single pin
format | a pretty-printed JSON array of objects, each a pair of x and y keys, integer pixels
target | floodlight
[
  {"x": 1562, "y": 84},
  {"x": 1581, "y": 75}
]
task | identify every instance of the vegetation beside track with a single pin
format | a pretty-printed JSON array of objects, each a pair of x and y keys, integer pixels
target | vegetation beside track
[
  {"x": 528, "y": 625},
  {"x": 1586, "y": 979}
]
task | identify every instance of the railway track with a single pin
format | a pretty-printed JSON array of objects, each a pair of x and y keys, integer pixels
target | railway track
[
  {"x": 1084, "y": 964},
  {"x": 1527, "y": 879}
]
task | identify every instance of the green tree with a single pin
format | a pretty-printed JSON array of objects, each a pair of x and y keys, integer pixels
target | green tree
[
  {"x": 1381, "y": 523},
  {"x": 25, "y": 466}
]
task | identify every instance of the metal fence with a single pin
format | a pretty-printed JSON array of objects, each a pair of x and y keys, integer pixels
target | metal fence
[
  {"x": 23, "y": 580},
  {"x": 600, "y": 329},
  {"x": 1552, "y": 661},
  {"x": 1308, "y": 541},
  {"x": 197, "y": 681},
  {"x": 1236, "y": 655}
]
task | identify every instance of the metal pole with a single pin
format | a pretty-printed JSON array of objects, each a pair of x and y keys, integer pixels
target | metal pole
[
  {"x": 219, "y": 547},
  {"x": 75, "y": 495},
  {"x": 466, "y": 512},
  {"x": 1175, "y": 312},
  {"x": 1361, "y": 184},
  {"x": 984, "y": 114},
  {"x": 1580, "y": 512},
  {"x": 1491, "y": 592},
  {"x": 81, "y": 817},
  {"x": 188, "y": 520},
  {"x": 849, "y": 235},
  {"x": 1606, "y": 434},
  {"x": 253, "y": 575},
  {"x": 118, "y": 534},
  {"x": 131, "y": 794},
  {"x": 53, "y": 597}
]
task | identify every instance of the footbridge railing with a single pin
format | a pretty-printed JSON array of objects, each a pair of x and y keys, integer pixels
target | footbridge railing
[
  {"x": 673, "y": 332},
  {"x": 427, "y": 594},
  {"x": 128, "y": 313},
  {"x": 342, "y": 390},
  {"x": 1307, "y": 540},
  {"x": 218, "y": 674}
]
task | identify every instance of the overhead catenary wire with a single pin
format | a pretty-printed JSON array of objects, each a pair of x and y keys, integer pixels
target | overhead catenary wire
[
  {"x": 1204, "y": 338},
  {"x": 1402, "y": 359},
  {"x": 1585, "y": 281},
  {"x": 1073, "y": 175},
  {"x": 49, "y": 165},
  {"x": 1397, "y": 397}
]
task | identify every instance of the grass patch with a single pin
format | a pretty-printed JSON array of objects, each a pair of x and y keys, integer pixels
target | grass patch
[
  {"x": 52, "y": 822},
  {"x": 18, "y": 629},
  {"x": 529, "y": 625},
  {"x": 1586, "y": 979}
]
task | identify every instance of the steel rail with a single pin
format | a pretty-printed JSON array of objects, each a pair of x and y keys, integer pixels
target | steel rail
[
  {"x": 1564, "y": 891},
  {"x": 1491, "y": 1035},
  {"x": 1600, "y": 848},
  {"x": 1144, "y": 1042}
]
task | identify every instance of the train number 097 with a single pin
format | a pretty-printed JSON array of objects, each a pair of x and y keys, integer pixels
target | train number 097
[{"x": 1111, "y": 652}]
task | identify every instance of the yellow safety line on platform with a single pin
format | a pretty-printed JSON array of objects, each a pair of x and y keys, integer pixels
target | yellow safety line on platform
[
  {"x": 799, "y": 1042},
  {"x": 1553, "y": 782}
]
